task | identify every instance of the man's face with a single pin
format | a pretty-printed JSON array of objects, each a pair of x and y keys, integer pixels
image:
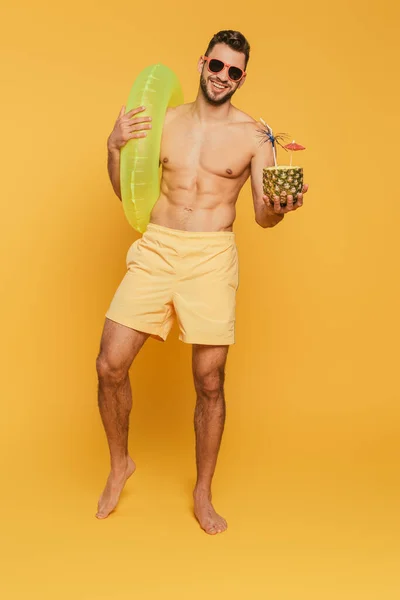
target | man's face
[{"x": 215, "y": 94}]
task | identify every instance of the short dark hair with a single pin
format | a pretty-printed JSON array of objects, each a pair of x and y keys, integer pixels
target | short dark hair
[{"x": 234, "y": 39}]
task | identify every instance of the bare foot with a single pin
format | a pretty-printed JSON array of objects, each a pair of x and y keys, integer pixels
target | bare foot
[
  {"x": 114, "y": 486},
  {"x": 209, "y": 520}
]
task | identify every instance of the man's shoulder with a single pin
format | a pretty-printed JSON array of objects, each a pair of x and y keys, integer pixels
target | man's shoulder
[
  {"x": 244, "y": 118},
  {"x": 249, "y": 127},
  {"x": 247, "y": 123}
]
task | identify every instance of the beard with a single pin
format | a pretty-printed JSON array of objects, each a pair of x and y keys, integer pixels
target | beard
[{"x": 210, "y": 99}]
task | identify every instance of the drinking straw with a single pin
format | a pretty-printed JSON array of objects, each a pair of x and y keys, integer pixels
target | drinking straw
[{"x": 272, "y": 139}]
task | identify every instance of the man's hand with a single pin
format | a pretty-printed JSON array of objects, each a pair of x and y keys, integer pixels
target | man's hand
[
  {"x": 127, "y": 128},
  {"x": 274, "y": 206}
]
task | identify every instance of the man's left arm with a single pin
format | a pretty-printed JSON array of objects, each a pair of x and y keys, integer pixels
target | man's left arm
[{"x": 268, "y": 211}]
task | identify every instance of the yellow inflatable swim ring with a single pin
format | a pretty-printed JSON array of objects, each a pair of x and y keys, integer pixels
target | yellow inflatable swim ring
[{"x": 156, "y": 88}]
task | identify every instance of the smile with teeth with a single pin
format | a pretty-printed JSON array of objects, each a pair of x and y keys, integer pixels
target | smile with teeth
[{"x": 219, "y": 86}]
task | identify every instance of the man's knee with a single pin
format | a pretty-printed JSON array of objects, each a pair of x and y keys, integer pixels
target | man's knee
[
  {"x": 110, "y": 371},
  {"x": 210, "y": 385}
]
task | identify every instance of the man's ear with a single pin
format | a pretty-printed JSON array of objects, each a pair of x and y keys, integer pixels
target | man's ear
[
  {"x": 200, "y": 64},
  {"x": 242, "y": 81}
]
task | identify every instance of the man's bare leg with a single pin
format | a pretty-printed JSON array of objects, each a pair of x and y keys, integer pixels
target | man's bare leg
[
  {"x": 118, "y": 348},
  {"x": 209, "y": 374}
]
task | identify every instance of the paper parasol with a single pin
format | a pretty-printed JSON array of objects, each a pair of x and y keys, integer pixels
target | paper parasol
[{"x": 293, "y": 147}]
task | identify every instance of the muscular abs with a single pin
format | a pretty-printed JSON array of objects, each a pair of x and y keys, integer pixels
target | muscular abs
[{"x": 204, "y": 166}]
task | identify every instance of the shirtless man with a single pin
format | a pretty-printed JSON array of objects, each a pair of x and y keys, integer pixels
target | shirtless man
[{"x": 185, "y": 264}]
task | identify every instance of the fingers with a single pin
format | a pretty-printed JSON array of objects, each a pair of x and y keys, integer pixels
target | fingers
[
  {"x": 136, "y": 124},
  {"x": 290, "y": 204},
  {"x": 277, "y": 205},
  {"x": 137, "y": 135},
  {"x": 305, "y": 188},
  {"x": 135, "y": 111},
  {"x": 140, "y": 120},
  {"x": 132, "y": 128},
  {"x": 267, "y": 200},
  {"x": 139, "y": 127},
  {"x": 127, "y": 127}
]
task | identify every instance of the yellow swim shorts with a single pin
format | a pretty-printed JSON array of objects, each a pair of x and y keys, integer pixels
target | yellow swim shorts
[{"x": 193, "y": 275}]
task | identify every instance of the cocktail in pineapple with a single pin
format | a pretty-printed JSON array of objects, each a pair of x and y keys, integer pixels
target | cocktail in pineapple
[{"x": 281, "y": 180}]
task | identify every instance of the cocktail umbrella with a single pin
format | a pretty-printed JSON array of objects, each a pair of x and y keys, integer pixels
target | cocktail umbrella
[{"x": 293, "y": 147}]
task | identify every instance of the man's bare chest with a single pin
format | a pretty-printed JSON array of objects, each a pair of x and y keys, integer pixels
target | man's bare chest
[{"x": 223, "y": 152}]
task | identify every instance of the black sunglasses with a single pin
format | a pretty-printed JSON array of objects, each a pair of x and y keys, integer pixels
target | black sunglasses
[{"x": 216, "y": 66}]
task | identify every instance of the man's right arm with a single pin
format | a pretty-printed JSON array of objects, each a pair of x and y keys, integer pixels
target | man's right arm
[
  {"x": 125, "y": 129},
  {"x": 113, "y": 158}
]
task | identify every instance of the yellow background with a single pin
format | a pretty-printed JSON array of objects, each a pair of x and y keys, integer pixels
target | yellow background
[{"x": 308, "y": 476}]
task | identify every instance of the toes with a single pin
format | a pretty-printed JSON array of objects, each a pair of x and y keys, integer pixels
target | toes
[
  {"x": 215, "y": 528},
  {"x": 211, "y": 530},
  {"x": 103, "y": 513}
]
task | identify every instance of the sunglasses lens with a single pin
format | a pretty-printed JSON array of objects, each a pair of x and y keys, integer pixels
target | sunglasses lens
[
  {"x": 235, "y": 73},
  {"x": 215, "y": 65}
]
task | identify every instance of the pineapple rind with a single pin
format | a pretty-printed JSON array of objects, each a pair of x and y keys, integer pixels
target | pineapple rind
[{"x": 283, "y": 181}]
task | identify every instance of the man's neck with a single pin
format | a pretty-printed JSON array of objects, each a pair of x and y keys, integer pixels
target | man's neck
[{"x": 206, "y": 112}]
